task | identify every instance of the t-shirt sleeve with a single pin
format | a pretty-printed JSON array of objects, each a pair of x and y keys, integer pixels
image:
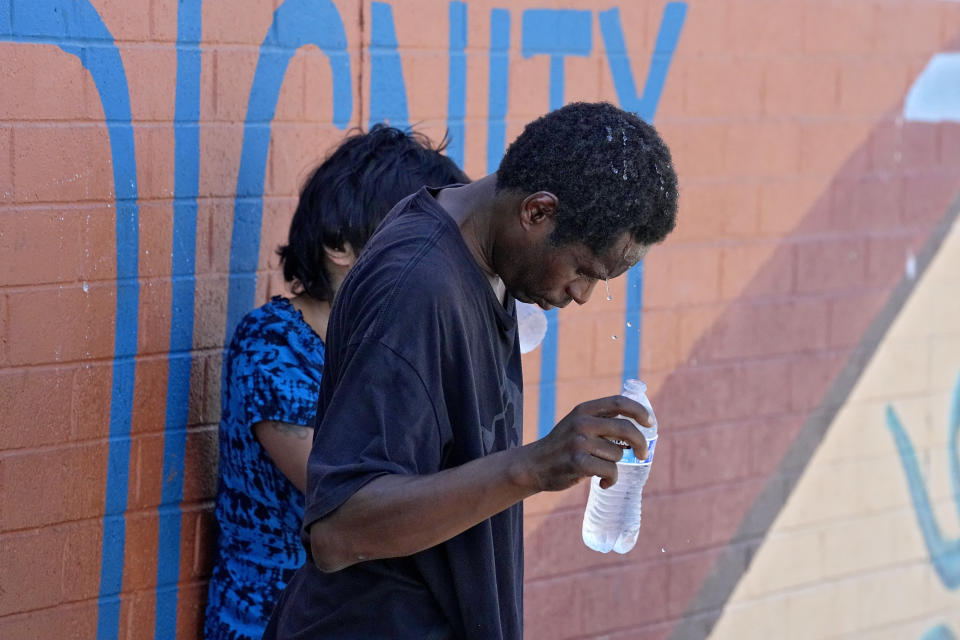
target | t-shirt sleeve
[
  {"x": 380, "y": 420},
  {"x": 271, "y": 383}
]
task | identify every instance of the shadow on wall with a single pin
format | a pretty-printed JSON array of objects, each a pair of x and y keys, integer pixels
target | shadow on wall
[{"x": 779, "y": 360}]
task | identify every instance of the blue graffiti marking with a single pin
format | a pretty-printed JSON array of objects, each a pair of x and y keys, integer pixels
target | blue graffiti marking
[
  {"x": 671, "y": 23},
  {"x": 388, "y": 95},
  {"x": 558, "y": 33},
  {"x": 457, "y": 91},
  {"x": 185, "y": 189},
  {"x": 499, "y": 86},
  {"x": 944, "y": 554},
  {"x": 939, "y": 632},
  {"x": 76, "y": 28},
  {"x": 296, "y": 23}
]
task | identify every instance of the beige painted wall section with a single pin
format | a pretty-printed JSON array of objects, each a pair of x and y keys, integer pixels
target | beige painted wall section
[{"x": 845, "y": 557}]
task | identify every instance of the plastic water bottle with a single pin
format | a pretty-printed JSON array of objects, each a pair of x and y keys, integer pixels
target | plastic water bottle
[{"x": 612, "y": 517}]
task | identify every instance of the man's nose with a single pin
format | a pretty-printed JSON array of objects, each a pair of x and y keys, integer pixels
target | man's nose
[{"x": 581, "y": 290}]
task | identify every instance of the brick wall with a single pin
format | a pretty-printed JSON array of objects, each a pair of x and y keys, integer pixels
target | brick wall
[{"x": 150, "y": 156}]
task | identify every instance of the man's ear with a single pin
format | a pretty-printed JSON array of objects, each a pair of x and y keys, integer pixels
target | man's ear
[
  {"x": 344, "y": 257},
  {"x": 538, "y": 208}
]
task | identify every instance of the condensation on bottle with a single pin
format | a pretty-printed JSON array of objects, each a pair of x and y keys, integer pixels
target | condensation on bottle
[{"x": 611, "y": 521}]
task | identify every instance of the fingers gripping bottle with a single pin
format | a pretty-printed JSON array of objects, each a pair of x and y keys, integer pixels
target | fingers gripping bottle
[{"x": 612, "y": 517}]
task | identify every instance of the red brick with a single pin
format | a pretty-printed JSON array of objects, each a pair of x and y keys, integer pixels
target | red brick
[
  {"x": 703, "y": 32},
  {"x": 232, "y": 76},
  {"x": 771, "y": 437},
  {"x": 762, "y": 149},
  {"x": 553, "y": 545},
  {"x": 214, "y": 227},
  {"x": 756, "y": 269},
  {"x": 785, "y": 204},
  {"x": 126, "y": 20},
  {"x": 152, "y": 78},
  {"x": 32, "y": 572},
  {"x": 851, "y": 314},
  {"x": 830, "y": 265},
  {"x": 835, "y": 26},
  {"x": 609, "y": 599},
  {"x": 191, "y": 601},
  {"x": 146, "y": 472},
  {"x": 927, "y": 196},
  {"x": 153, "y": 334},
  {"x": 140, "y": 550},
  {"x": 811, "y": 377},
  {"x": 205, "y": 539},
  {"x": 731, "y": 503},
  {"x": 28, "y": 233},
  {"x": 921, "y": 145},
  {"x": 224, "y": 24},
  {"x": 749, "y": 330},
  {"x": 609, "y": 346},
  {"x": 67, "y": 622},
  {"x": 907, "y": 27},
  {"x": 60, "y": 163},
  {"x": 868, "y": 203},
  {"x": 660, "y": 340},
  {"x": 163, "y": 24},
  {"x": 713, "y": 210},
  {"x": 222, "y": 146},
  {"x": 155, "y": 166},
  {"x": 4, "y": 330},
  {"x": 724, "y": 85},
  {"x": 34, "y": 403},
  {"x": 681, "y": 275},
  {"x": 213, "y": 367},
  {"x": 210, "y": 317},
  {"x": 275, "y": 229},
  {"x": 138, "y": 615},
  {"x": 870, "y": 86},
  {"x": 317, "y": 93},
  {"x": 61, "y": 325},
  {"x": 99, "y": 256},
  {"x": 81, "y": 545},
  {"x": 710, "y": 454},
  {"x": 887, "y": 257},
  {"x": 156, "y": 238},
  {"x": 800, "y": 86},
  {"x": 6, "y": 165},
  {"x": 428, "y": 101},
  {"x": 761, "y": 28},
  {"x": 576, "y": 339},
  {"x": 198, "y": 386},
  {"x": 829, "y": 146},
  {"x": 200, "y": 464},
  {"x": 150, "y": 395},
  {"x": 31, "y": 75},
  {"x": 569, "y": 393},
  {"x": 700, "y": 395},
  {"x": 72, "y": 487},
  {"x": 688, "y": 520},
  {"x": 90, "y": 401},
  {"x": 886, "y": 144},
  {"x": 295, "y": 150},
  {"x": 694, "y": 324},
  {"x": 949, "y": 146}
]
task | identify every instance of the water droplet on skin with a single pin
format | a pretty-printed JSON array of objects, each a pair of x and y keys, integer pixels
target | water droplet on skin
[{"x": 607, "y": 283}]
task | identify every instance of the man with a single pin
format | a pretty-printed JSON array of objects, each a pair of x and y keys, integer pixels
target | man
[{"x": 416, "y": 477}]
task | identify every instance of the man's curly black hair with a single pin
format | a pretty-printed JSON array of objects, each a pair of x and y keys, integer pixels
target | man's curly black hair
[{"x": 610, "y": 170}]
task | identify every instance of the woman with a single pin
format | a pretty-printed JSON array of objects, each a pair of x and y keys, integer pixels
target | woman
[{"x": 273, "y": 365}]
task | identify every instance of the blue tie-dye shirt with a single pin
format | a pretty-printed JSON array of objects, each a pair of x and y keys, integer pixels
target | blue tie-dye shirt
[{"x": 272, "y": 372}]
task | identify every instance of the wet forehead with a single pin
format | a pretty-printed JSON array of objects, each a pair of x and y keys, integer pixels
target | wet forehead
[{"x": 624, "y": 253}]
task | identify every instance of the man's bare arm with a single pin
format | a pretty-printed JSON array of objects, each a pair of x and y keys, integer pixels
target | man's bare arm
[{"x": 398, "y": 515}]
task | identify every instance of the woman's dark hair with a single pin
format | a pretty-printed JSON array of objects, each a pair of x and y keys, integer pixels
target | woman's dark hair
[
  {"x": 609, "y": 169},
  {"x": 349, "y": 194}
]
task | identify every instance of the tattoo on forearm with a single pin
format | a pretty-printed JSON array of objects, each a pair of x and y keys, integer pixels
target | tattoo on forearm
[{"x": 297, "y": 431}]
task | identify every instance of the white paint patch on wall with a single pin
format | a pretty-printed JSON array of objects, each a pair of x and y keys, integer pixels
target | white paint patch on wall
[{"x": 935, "y": 94}]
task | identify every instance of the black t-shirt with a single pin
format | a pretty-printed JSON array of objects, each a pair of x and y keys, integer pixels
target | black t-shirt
[{"x": 422, "y": 374}]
